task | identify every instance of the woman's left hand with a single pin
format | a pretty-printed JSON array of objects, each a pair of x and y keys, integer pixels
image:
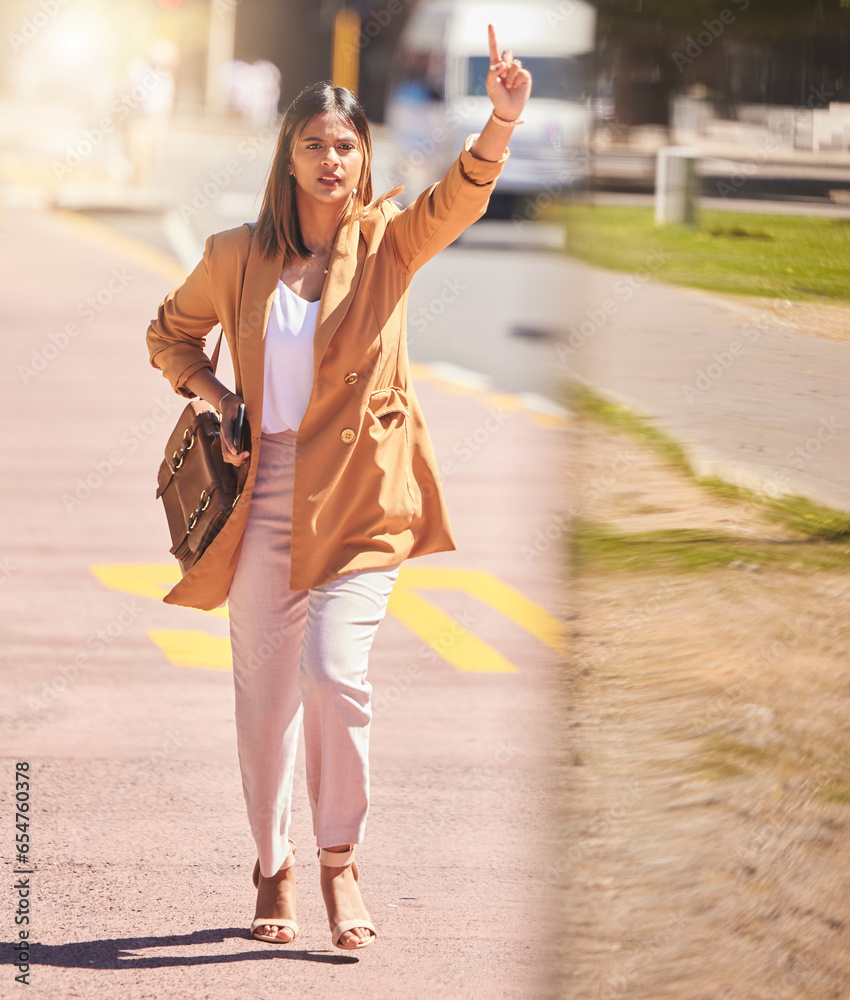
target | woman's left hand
[{"x": 508, "y": 84}]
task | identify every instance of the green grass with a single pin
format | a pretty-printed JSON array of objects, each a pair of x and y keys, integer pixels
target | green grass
[
  {"x": 797, "y": 513},
  {"x": 835, "y": 791},
  {"x": 599, "y": 548},
  {"x": 723, "y": 758},
  {"x": 802, "y": 258},
  {"x": 584, "y": 402}
]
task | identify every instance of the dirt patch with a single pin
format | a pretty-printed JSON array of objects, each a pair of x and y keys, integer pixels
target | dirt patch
[
  {"x": 816, "y": 319},
  {"x": 706, "y": 784},
  {"x": 628, "y": 487}
]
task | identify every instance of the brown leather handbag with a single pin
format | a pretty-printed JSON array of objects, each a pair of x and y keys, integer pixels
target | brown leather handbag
[{"x": 197, "y": 487}]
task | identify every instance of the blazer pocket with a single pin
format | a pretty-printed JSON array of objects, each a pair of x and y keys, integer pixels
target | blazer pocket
[
  {"x": 385, "y": 402},
  {"x": 387, "y": 417}
]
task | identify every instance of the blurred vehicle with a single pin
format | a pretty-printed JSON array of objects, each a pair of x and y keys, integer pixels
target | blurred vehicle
[{"x": 437, "y": 92}]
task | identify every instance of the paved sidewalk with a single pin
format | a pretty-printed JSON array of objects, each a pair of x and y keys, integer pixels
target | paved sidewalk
[
  {"x": 142, "y": 856},
  {"x": 753, "y": 400}
]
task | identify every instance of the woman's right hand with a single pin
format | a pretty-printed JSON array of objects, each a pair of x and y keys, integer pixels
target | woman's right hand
[{"x": 229, "y": 406}]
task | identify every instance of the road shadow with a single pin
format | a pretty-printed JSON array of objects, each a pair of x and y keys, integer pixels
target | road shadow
[{"x": 116, "y": 953}]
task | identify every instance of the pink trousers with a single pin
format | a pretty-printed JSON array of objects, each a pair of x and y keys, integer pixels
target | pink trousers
[{"x": 300, "y": 655}]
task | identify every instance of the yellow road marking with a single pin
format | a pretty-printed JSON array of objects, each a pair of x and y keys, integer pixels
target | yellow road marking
[
  {"x": 438, "y": 629},
  {"x": 547, "y": 420},
  {"x": 423, "y": 372},
  {"x": 192, "y": 648},
  {"x": 463, "y": 650},
  {"x": 126, "y": 246},
  {"x": 502, "y": 401},
  {"x": 490, "y": 590},
  {"x": 143, "y": 580}
]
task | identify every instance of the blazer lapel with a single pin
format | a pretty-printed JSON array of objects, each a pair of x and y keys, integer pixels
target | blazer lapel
[
  {"x": 258, "y": 288},
  {"x": 260, "y": 284},
  {"x": 344, "y": 270}
]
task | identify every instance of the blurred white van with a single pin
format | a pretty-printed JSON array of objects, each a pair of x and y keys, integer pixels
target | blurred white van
[{"x": 437, "y": 96}]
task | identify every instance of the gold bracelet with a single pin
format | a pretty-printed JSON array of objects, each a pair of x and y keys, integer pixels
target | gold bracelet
[{"x": 502, "y": 121}]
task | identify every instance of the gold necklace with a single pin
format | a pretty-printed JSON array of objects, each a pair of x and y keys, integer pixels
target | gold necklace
[{"x": 316, "y": 259}]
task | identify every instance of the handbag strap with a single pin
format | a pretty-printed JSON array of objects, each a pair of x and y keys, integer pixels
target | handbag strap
[
  {"x": 216, "y": 352},
  {"x": 242, "y": 470}
]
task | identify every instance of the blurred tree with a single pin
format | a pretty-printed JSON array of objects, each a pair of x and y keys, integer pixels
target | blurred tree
[
  {"x": 782, "y": 13},
  {"x": 740, "y": 51}
]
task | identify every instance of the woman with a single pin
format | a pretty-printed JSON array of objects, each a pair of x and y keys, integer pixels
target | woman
[{"x": 342, "y": 483}]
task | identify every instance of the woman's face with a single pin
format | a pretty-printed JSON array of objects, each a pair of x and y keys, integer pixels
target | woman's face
[{"x": 327, "y": 158}]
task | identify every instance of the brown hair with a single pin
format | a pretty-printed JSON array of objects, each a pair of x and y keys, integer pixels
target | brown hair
[{"x": 277, "y": 223}]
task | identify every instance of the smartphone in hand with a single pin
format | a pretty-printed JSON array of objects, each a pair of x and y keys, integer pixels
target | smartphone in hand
[{"x": 239, "y": 429}]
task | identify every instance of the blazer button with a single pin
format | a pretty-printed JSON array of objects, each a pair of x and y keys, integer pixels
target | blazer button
[
  {"x": 348, "y": 435},
  {"x": 351, "y": 378}
]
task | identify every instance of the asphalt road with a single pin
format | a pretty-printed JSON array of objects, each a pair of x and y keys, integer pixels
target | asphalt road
[
  {"x": 139, "y": 855},
  {"x": 753, "y": 400}
]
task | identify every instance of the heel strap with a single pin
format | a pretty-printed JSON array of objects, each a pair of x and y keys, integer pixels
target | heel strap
[
  {"x": 336, "y": 859},
  {"x": 290, "y": 858},
  {"x": 289, "y": 861}
]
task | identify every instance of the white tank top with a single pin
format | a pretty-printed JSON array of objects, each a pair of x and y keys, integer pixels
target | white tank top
[{"x": 288, "y": 366}]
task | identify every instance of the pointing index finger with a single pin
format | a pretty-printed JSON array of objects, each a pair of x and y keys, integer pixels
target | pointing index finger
[{"x": 494, "y": 49}]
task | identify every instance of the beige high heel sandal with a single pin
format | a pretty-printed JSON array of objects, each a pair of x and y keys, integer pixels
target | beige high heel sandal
[
  {"x": 342, "y": 859},
  {"x": 274, "y": 921}
]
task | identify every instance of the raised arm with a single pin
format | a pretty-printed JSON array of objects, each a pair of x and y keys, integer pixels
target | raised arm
[
  {"x": 442, "y": 212},
  {"x": 508, "y": 87}
]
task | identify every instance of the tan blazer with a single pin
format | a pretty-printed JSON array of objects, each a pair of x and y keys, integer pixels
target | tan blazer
[{"x": 366, "y": 491}]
